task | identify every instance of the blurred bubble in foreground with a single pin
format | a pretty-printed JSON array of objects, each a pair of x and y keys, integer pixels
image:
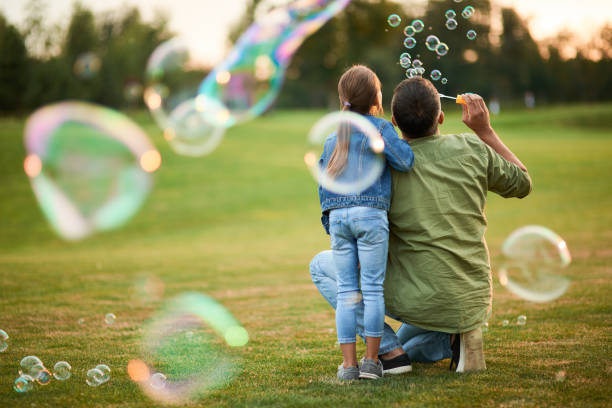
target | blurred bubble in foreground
[
  {"x": 534, "y": 257},
  {"x": 110, "y": 318},
  {"x": 89, "y": 167},
  {"x": 62, "y": 370},
  {"x": 3, "y": 340},
  {"x": 191, "y": 365},
  {"x": 345, "y": 127},
  {"x": 24, "y": 383}
]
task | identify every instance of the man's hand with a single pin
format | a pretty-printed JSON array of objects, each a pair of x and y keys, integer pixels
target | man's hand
[{"x": 476, "y": 115}]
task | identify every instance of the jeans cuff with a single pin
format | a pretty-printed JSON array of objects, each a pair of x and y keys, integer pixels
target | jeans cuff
[
  {"x": 347, "y": 340},
  {"x": 374, "y": 334}
]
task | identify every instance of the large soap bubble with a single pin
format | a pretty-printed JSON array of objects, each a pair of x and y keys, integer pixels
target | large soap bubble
[
  {"x": 90, "y": 167},
  {"x": 248, "y": 81},
  {"x": 534, "y": 257},
  {"x": 187, "y": 350},
  {"x": 172, "y": 98},
  {"x": 357, "y": 130}
]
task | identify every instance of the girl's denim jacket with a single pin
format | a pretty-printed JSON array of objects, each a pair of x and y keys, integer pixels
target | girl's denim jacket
[{"x": 398, "y": 154}]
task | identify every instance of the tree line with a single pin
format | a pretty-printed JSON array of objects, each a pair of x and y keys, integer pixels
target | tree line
[{"x": 40, "y": 64}]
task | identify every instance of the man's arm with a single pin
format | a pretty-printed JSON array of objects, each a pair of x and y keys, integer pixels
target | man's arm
[{"x": 476, "y": 117}]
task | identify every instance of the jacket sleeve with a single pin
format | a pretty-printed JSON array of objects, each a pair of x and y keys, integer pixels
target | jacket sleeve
[{"x": 398, "y": 153}]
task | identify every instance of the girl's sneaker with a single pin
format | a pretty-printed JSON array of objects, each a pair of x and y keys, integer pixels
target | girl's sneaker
[
  {"x": 348, "y": 373},
  {"x": 370, "y": 369}
]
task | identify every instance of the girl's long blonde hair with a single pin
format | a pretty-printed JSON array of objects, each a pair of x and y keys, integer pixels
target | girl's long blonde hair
[{"x": 358, "y": 90}]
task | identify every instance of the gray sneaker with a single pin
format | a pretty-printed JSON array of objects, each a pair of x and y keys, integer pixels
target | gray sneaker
[
  {"x": 348, "y": 373},
  {"x": 370, "y": 369}
]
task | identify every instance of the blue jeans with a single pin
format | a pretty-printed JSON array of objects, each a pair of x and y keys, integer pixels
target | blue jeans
[
  {"x": 424, "y": 346},
  {"x": 359, "y": 241}
]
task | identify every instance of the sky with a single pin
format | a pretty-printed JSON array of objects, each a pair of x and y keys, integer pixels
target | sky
[{"x": 206, "y": 23}]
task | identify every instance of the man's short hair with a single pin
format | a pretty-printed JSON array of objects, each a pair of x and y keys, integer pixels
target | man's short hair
[{"x": 415, "y": 107}]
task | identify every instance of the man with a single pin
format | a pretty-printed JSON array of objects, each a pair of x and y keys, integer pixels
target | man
[{"x": 438, "y": 278}]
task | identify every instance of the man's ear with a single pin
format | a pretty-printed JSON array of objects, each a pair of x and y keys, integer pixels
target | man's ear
[
  {"x": 441, "y": 118},
  {"x": 393, "y": 120}
]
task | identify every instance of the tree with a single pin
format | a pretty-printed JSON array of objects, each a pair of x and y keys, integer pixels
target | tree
[{"x": 13, "y": 66}]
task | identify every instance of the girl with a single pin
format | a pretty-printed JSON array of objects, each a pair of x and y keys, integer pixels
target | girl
[{"x": 358, "y": 222}]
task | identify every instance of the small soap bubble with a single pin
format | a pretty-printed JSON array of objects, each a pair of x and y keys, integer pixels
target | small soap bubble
[
  {"x": 420, "y": 70},
  {"x": 105, "y": 371},
  {"x": 3, "y": 340},
  {"x": 31, "y": 365},
  {"x": 560, "y": 376},
  {"x": 409, "y": 31},
  {"x": 94, "y": 377},
  {"x": 411, "y": 73},
  {"x": 432, "y": 42},
  {"x": 468, "y": 12},
  {"x": 110, "y": 318},
  {"x": 44, "y": 377},
  {"x": 442, "y": 49},
  {"x": 418, "y": 25},
  {"x": 471, "y": 35},
  {"x": 394, "y": 20},
  {"x": 405, "y": 62},
  {"x": 444, "y": 81},
  {"x": 521, "y": 320},
  {"x": 451, "y": 24},
  {"x": 450, "y": 14},
  {"x": 435, "y": 74},
  {"x": 505, "y": 322},
  {"x": 62, "y": 370},
  {"x": 485, "y": 327},
  {"x": 417, "y": 64},
  {"x": 87, "y": 65},
  {"x": 24, "y": 383},
  {"x": 158, "y": 381},
  {"x": 410, "y": 42}
]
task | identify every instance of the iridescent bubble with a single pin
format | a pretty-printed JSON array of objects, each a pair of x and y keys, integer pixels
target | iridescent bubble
[
  {"x": 89, "y": 167},
  {"x": 394, "y": 20},
  {"x": 110, "y": 318},
  {"x": 534, "y": 257},
  {"x": 62, "y": 370},
  {"x": 444, "y": 81},
  {"x": 521, "y": 320},
  {"x": 31, "y": 365},
  {"x": 193, "y": 365},
  {"x": 450, "y": 14},
  {"x": 94, "y": 377},
  {"x": 435, "y": 74},
  {"x": 432, "y": 42},
  {"x": 405, "y": 55},
  {"x": 3, "y": 340},
  {"x": 451, "y": 24},
  {"x": 505, "y": 322},
  {"x": 44, "y": 377},
  {"x": 348, "y": 127},
  {"x": 409, "y": 31},
  {"x": 417, "y": 63},
  {"x": 87, "y": 65},
  {"x": 468, "y": 12},
  {"x": 105, "y": 371},
  {"x": 410, "y": 42},
  {"x": 418, "y": 25},
  {"x": 442, "y": 49},
  {"x": 24, "y": 383},
  {"x": 173, "y": 100},
  {"x": 405, "y": 62},
  {"x": 471, "y": 35},
  {"x": 420, "y": 70},
  {"x": 248, "y": 81},
  {"x": 411, "y": 73}
]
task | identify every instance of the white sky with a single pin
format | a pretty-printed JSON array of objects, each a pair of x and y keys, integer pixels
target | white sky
[{"x": 205, "y": 23}]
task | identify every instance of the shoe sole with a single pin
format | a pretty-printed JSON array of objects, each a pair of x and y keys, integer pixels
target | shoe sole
[
  {"x": 369, "y": 376},
  {"x": 398, "y": 370}
]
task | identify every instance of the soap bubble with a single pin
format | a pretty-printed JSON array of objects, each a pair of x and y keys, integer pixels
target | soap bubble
[
  {"x": 132, "y": 91},
  {"x": 110, "y": 318},
  {"x": 444, "y": 81},
  {"x": 173, "y": 100},
  {"x": 521, "y": 320},
  {"x": 31, "y": 365},
  {"x": 420, "y": 70},
  {"x": 410, "y": 42},
  {"x": 468, "y": 12},
  {"x": 89, "y": 167},
  {"x": 3, "y": 340},
  {"x": 471, "y": 35},
  {"x": 560, "y": 376},
  {"x": 248, "y": 81},
  {"x": 418, "y": 25},
  {"x": 409, "y": 31},
  {"x": 405, "y": 61},
  {"x": 105, "y": 371},
  {"x": 451, "y": 24},
  {"x": 411, "y": 73},
  {"x": 24, "y": 383},
  {"x": 533, "y": 259},
  {"x": 417, "y": 63},
  {"x": 94, "y": 377},
  {"x": 432, "y": 42},
  {"x": 442, "y": 49},
  {"x": 394, "y": 20},
  {"x": 485, "y": 327},
  {"x": 44, "y": 377},
  {"x": 358, "y": 175},
  {"x": 450, "y": 14},
  {"x": 87, "y": 65},
  {"x": 192, "y": 365},
  {"x": 505, "y": 322},
  {"x": 435, "y": 74},
  {"x": 62, "y": 370}
]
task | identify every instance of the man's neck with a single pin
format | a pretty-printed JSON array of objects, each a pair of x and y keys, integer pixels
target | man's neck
[{"x": 410, "y": 139}]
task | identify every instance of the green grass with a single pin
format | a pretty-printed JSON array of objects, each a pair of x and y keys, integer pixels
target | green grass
[{"x": 242, "y": 224}]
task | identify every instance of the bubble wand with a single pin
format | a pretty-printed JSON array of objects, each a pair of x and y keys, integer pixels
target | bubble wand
[{"x": 459, "y": 99}]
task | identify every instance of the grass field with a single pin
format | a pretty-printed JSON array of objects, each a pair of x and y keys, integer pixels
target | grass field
[{"x": 242, "y": 224}]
